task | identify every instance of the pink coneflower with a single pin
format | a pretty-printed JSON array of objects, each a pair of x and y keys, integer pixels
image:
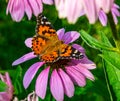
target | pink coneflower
[
  {"x": 7, "y": 95},
  {"x": 92, "y": 9},
  {"x": 64, "y": 72},
  {"x": 17, "y": 8}
]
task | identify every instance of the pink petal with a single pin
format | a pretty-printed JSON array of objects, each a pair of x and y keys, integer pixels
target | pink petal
[
  {"x": 103, "y": 18},
  {"x": 28, "y": 42},
  {"x": 24, "y": 58},
  {"x": 84, "y": 71},
  {"x": 76, "y": 76},
  {"x": 9, "y": 6},
  {"x": 56, "y": 86},
  {"x": 90, "y": 11},
  {"x": 29, "y": 75},
  {"x": 71, "y": 36},
  {"x": 28, "y": 9},
  {"x": 17, "y": 12},
  {"x": 74, "y": 10},
  {"x": 48, "y": 1},
  {"x": 35, "y": 7},
  {"x": 106, "y": 5},
  {"x": 68, "y": 84},
  {"x": 60, "y": 33},
  {"x": 60, "y": 6},
  {"x": 78, "y": 47},
  {"x": 40, "y": 5},
  {"x": 41, "y": 83}
]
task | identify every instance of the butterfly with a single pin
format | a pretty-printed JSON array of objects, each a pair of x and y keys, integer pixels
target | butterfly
[{"x": 47, "y": 46}]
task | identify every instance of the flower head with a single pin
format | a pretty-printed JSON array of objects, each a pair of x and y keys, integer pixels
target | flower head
[
  {"x": 92, "y": 9},
  {"x": 17, "y": 8},
  {"x": 6, "y": 96},
  {"x": 65, "y": 72}
]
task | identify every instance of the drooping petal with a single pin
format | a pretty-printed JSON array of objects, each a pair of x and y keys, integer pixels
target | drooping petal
[
  {"x": 29, "y": 75},
  {"x": 41, "y": 83},
  {"x": 67, "y": 83},
  {"x": 102, "y": 17},
  {"x": 17, "y": 12},
  {"x": 24, "y": 58},
  {"x": 106, "y": 5},
  {"x": 28, "y": 42},
  {"x": 28, "y": 9},
  {"x": 48, "y": 1},
  {"x": 74, "y": 10},
  {"x": 84, "y": 71},
  {"x": 56, "y": 86},
  {"x": 71, "y": 36},
  {"x": 60, "y": 33},
  {"x": 61, "y": 7},
  {"x": 35, "y": 7},
  {"x": 76, "y": 76},
  {"x": 90, "y": 11},
  {"x": 9, "y": 6}
]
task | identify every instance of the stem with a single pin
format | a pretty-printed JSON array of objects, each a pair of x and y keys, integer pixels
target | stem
[
  {"x": 111, "y": 99},
  {"x": 113, "y": 27}
]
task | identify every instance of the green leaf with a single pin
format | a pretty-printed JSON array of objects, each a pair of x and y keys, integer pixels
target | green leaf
[
  {"x": 17, "y": 80},
  {"x": 92, "y": 42},
  {"x": 112, "y": 65},
  {"x": 3, "y": 86}
]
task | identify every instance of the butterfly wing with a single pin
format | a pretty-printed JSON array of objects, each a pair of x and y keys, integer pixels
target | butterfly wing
[
  {"x": 68, "y": 52},
  {"x": 51, "y": 57},
  {"x": 44, "y": 27}
]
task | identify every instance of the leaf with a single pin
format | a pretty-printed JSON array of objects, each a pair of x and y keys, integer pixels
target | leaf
[
  {"x": 17, "y": 80},
  {"x": 3, "y": 86},
  {"x": 112, "y": 65},
  {"x": 92, "y": 42}
]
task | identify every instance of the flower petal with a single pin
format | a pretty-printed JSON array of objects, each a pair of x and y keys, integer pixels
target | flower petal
[
  {"x": 68, "y": 84},
  {"x": 48, "y": 1},
  {"x": 41, "y": 83},
  {"x": 76, "y": 76},
  {"x": 28, "y": 9},
  {"x": 78, "y": 47},
  {"x": 24, "y": 58},
  {"x": 28, "y": 42},
  {"x": 57, "y": 91},
  {"x": 84, "y": 71},
  {"x": 9, "y": 6},
  {"x": 35, "y": 7},
  {"x": 60, "y": 33},
  {"x": 17, "y": 12},
  {"x": 71, "y": 36},
  {"x": 29, "y": 75},
  {"x": 90, "y": 11},
  {"x": 102, "y": 17}
]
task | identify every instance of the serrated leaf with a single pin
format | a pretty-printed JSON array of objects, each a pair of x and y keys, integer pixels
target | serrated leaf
[
  {"x": 92, "y": 42},
  {"x": 3, "y": 86},
  {"x": 112, "y": 64}
]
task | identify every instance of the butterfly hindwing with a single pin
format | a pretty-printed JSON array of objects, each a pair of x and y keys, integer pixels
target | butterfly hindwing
[{"x": 68, "y": 52}]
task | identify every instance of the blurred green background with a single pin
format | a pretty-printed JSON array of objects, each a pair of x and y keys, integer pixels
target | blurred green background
[{"x": 13, "y": 35}]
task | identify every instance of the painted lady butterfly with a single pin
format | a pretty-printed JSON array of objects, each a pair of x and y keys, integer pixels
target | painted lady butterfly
[{"x": 48, "y": 47}]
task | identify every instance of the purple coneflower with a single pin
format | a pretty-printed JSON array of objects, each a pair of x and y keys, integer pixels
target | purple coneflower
[
  {"x": 92, "y": 9},
  {"x": 64, "y": 72},
  {"x": 7, "y": 95},
  {"x": 17, "y": 8}
]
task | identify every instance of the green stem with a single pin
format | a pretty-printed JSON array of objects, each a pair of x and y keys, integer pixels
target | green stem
[
  {"x": 113, "y": 27},
  {"x": 106, "y": 78}
]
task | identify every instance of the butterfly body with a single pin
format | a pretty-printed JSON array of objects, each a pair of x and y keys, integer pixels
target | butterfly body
[{"x": 47, "y": 45}]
